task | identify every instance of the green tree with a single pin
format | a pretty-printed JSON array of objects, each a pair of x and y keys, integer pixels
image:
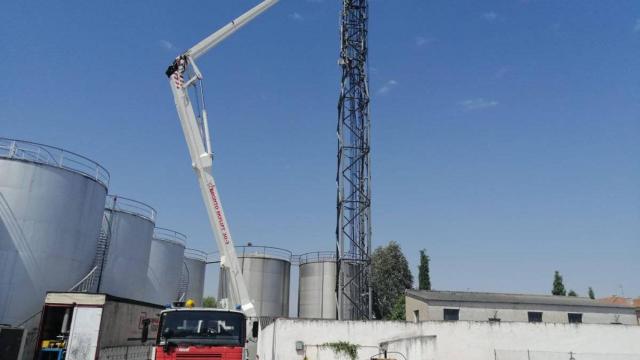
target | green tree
[
  {"x": 390, "y": 277},
  {"x": 398, "y": 312},
  {"x": 558, "y": 286},
  {"x": 572, "y": 293},
  {"x": 209, "y": 302},
  {"x": 424, "y": 279},
  {"x": 592, "y": 295}
]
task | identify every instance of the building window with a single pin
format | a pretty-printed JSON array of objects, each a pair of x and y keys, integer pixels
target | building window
[
  {"x": 451, "y": 314},
  {"x": 416, "y": 315},
  {"x": 535, "y": 316},
  {"x": 575, "y": 318}
]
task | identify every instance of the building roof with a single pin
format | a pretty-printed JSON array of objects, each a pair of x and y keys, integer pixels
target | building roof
[
  {"x": 499, "y": 298},
  {"x": 615, "y": 299},
  {"x": 80, "y": 298}
]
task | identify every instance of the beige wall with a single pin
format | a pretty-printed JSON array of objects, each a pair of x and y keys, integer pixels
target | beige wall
[
  {"x": 479, "y": 313},
  {"x": 412, "y": 305}
]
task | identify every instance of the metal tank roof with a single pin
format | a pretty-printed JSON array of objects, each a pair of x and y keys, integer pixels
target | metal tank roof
[
  {"x": 265, "y": 252},
  {"x": 169, "y": 235},
  {"x": 315, "y": 256},
  {"x": 130, "y": 206},
  {"x": 195, "y": 254},
  {"x": 53, "y": 156}
]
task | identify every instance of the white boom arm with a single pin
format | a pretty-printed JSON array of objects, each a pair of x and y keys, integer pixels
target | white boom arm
[{"x": 196, "y": 134}]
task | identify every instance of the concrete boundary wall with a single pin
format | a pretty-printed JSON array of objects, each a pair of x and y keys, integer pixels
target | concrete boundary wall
[{"x": 436, "y": 340}]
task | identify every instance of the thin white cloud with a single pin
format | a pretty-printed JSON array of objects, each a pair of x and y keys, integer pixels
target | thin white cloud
[
  {"x": 478, "y": 104},
  {"x": 636, "y": 27},
  {"x": 167, "y": 45},
  {"x": 296, "y": 17},
  {"x": 388, "y": 86},
  {"x": 490, "y": 16},
  {"x": 423, "y": 41}
]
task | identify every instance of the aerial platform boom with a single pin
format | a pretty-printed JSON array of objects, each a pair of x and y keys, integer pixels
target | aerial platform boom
[{"x": 184, "y": 75}]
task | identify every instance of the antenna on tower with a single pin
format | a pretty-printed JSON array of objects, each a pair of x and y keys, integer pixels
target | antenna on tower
[{"x": 353, "y": 228}]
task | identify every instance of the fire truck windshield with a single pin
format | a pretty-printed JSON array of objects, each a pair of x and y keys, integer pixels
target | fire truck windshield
[{"x": 202, "y": 327}]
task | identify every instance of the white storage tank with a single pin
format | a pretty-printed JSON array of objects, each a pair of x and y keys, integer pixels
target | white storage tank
[
  {"x": 130, "y": 230},
  {"x": 267, "y": 272},
  {"x": 51, "y": 206},
  {"x": 195, "y": 262},
  {"x": 317, "y": 286},
  {"x": 166, "y": 260}
]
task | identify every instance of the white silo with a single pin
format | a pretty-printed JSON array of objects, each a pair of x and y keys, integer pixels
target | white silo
[
  {"x": 195, "y": 262},
  {"x": 317, "y": 286},
  {"x": 166, "y": 260},
  {"x": 130, "y": 230},
  {"x": 267, "y": 272},
  {"x": 51, "y": 206}
]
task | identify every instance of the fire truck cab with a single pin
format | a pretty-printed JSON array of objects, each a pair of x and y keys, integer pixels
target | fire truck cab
[{"x": 204, "y": 333}]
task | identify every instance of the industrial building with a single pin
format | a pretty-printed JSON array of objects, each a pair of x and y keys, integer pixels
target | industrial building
[
  {"x": 620, "y": 300},
  {"x": 424, "y": 305}
]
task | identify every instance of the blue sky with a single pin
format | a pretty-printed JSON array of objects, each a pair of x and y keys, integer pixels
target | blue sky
[{"x": 505, "y": 133}]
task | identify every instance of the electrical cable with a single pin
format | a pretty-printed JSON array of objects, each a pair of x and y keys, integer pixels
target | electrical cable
[{"x": 389, "y": 352}]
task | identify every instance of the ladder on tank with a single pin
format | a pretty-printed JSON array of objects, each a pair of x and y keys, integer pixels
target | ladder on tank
[
  {"x": 102, "y": 250},
  {"x": 183, "y": 285},
  {"x": 90, "y": 283}
]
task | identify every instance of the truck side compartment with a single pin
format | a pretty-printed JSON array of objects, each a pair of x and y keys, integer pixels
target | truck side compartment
[{"x": 81, "y": 326}]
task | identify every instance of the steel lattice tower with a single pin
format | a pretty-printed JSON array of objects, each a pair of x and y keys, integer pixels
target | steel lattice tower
[{"x": 353, "y": 230}]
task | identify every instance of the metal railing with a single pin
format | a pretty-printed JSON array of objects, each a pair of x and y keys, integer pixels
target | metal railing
[
  {"x": 120, "y": 203},
  {"x": 170, "y": 235},
  {"x": 254, "y": 250},
  {"x": 53, "y": 156},
  {"x": 195, "y": 254},
  {"x": 102, "y": 249},
  {"x": 87, "y": 283},
  {"x": 183, "y": 285},
  {"x": 316, "y": 256}
]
